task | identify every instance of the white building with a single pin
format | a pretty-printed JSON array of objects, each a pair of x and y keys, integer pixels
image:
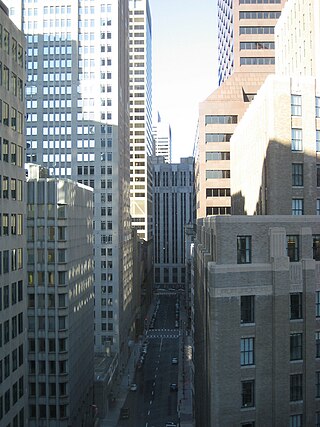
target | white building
[
  {"x": 141, "y": 141},
  {"x": 60, "y": 301},
  {"x": 297, "y": 39},
  {"x": 13, "y": 347},
  {"x": 162, "y": 137},
  {"x": 78, "y": 127}
]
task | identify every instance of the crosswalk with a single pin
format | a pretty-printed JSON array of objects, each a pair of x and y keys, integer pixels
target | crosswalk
[{"x": 163, "y": 333}]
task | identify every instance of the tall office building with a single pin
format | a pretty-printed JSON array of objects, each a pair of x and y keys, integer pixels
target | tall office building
[
  {"x": 173, "y": 210},
  {"x": 78, "y": 127},
  {"x": 246, "y": 57},
  {"x": 13, "y": 349},
  {"x": 60, "y": 301},
  {"x": 246, "y": 36},
  {"x": 162, "y": 138},
  {"x": 261, "y": 270},
  {"x": 141, "y": 140}
]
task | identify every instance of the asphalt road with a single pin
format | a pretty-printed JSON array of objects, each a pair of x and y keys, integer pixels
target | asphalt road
[{"x": 153, "y": 403}]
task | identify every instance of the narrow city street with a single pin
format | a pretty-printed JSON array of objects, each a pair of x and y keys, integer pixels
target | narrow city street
[{"x": 154, "y": 401}]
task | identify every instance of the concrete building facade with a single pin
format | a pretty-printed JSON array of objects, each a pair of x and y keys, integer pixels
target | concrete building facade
[
  {"x": 246, "y": 58},
  {"x": 246, "y": 36},
  {"x": 173, "y": 211},
  {"x": 60, "y": 301},
  {"x": 141, "y": 140},
  {"x": 257, "y": 321},
  {"x": 283, "y": 163},
  {"x": 13, "y": 382},
  {"x": 78, "y": 127},
  {"x": 297, "y": 39}
]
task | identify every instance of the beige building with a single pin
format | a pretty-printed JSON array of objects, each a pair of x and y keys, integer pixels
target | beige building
[
  {"x": 257, "y": 336},
  {"x": 275, "y": 170},
  {"x": 246, "y": 58},
  {"x": 297, "y": 39}
]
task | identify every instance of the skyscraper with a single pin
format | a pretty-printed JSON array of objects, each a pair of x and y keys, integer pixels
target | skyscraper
[
  {"x": 60, "y": 301},
  {"x": 141, "y": 140},
  {"x": 78, "y": 127},
  {"x": 12, "y": 233},
  {"x": 246, "y": 36},
  {"x": 162, "y": 137},
  {"x": 246, "y": 57}
]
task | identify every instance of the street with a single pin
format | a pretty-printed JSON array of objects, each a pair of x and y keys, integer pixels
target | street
[{"x": 154, "y": 402}]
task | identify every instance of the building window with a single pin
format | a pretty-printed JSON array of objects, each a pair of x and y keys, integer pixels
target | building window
[
  {"x": 316, "y": 247},
  {"x": 296, "y": 420},
  {"x": 295, "y": 387},
  {"x": 296, "y": 139},
  {"x": 318, "y": 206},
  {"x": 293, "y": 248},
  {"x": 297, "y": 206},
  {"x": 318, "y": 384},
  {"x": 296, "y": 306},
  {"x": 317, "y": 141},
  {"x": 295, "y": 346},
  {"x": 297, "y": 174},
  {"x": 318, "y": 175},
  {"x": 247, "y": 351},
  {"x": 243, "y": 249},
  {"x": 317, "y": 335},
  {"x": 317, "y": 303},
  {"x": 247, "y": 393},
  {"x": 247, "y": 309},
  {"x": 296, "y": 109},
  {"x": 317, "y": 106},
  {"x": 317, "y": 419}
]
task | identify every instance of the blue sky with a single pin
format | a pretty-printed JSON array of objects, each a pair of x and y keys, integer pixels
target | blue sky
[{"x": 184, "y": 65}]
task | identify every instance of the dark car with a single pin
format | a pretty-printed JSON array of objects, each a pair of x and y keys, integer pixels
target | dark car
[{"x": 173, "y": 387}]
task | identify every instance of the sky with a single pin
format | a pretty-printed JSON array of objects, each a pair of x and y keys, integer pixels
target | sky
[{"x": 184, "y": 73}]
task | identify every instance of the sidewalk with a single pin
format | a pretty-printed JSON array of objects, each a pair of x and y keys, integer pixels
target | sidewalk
[{"x": 112, "y": 418}]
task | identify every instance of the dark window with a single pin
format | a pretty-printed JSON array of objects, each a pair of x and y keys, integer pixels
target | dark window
[
  {"x": 317, "y": 384},
  {"x": 247, "y": 393},
  {"x": 316, "y": 247},
  {"x": 295, "y": 387},
  {"x": 296, "y": 306},
  {"x": 247, "y": 309},
  {"x": 295, "y": 346},
  {"x": 244, "y": 249},
  {"x": 297, "y": 174},
  {"x": 293, "y": 248},
  {"x": 318, "y": 344}
]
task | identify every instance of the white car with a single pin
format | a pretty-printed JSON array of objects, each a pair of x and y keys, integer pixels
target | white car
[
  {"x": 174, "y": 361},
  {"x": 133, "y": 387}
]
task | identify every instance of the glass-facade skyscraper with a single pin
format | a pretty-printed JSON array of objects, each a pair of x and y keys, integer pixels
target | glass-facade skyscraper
[{"x": 78, "y": 127}]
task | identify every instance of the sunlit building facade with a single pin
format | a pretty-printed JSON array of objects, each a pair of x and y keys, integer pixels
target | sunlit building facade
[
  {"x": 162, "y": 138},
  {"x": 141, "y": 140},
  {"x": 78, "y": 127},
  {"x": 246, "y": 57},
  {"x": 246, "y": 36},
  {"x": 60, "y": 300},
  {"x": 13, "y": 380}
]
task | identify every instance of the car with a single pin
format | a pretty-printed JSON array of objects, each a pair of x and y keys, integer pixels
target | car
[
  {"x": 171, "y": 424},
  {"x": 133, "y": 387},
  {"x": 176, "y": 324},
  {"x": 173, "y": 387},
  {"x": 174, "y": 361}
]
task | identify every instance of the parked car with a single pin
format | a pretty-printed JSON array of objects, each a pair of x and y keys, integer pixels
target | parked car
[
  {"x": 171, "y": 424},
  {"x": 174, "y": 361}
]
